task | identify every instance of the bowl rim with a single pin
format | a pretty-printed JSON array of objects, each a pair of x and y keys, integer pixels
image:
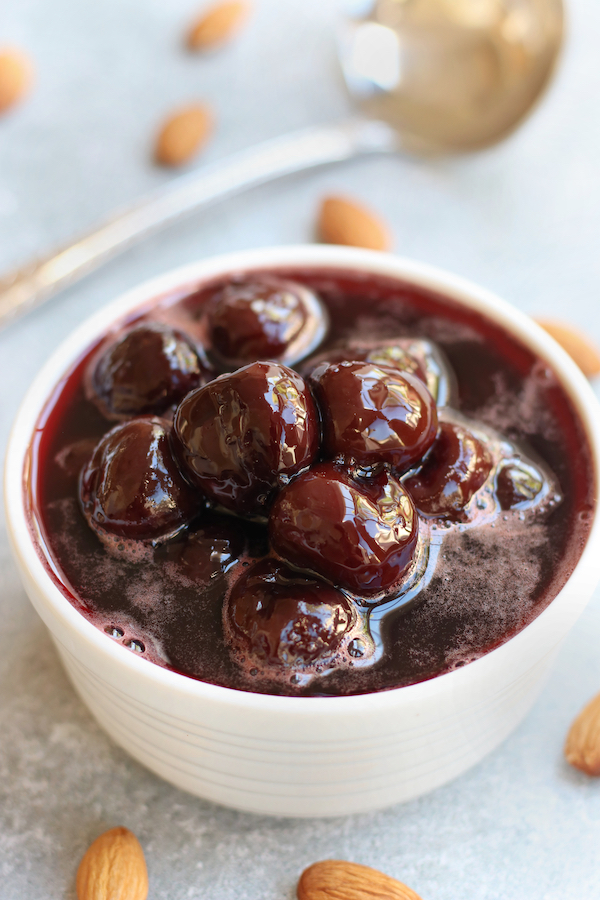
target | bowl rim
[{"x": 328, "y": 257}]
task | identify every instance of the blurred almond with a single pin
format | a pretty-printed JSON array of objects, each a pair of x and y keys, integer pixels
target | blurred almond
[
  {"x": 582, "y": 748},
  {"x": 342, "y": 221},
  {"x": 337, "y": 880},
  {"x": 183, "y": 135},
  {"x": 16, "y": 76},
  {"x": 113, "y": 868},
  {"x": 576, "y": 343},
  {"x": 218, "y": 24}
]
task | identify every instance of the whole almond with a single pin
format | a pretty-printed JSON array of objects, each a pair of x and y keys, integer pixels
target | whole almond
[
  {"x": 183, "y": 135},
  {"x": 342, "y": 221},
  {"x": 113, "y": 868},
  {"x": 16, "y": 75},
  {"x": 218, "y": 24},
  {"x": 583, "y": 351},
  {"x": 337, "y": 880},
  {"x": 582, "y": 748}
]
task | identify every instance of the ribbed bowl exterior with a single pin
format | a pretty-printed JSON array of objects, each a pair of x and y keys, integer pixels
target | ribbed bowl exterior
[
  {"x": 388, "y": 759},
  {"x": 297, "y": 756}
]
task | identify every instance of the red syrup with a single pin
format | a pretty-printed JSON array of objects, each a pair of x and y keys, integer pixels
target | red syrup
[{"x": 488, "y": 582}]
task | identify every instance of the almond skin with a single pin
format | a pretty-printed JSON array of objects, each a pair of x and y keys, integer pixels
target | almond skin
[
  {"x": 217, "y": 25},
  {"x": 113, "y": 868},
  {"x": 582, "y": 748},
  {"x": 583, "y": 351},
  {"x": 16, "y": 76},
  {"x": 183, "y": 135},
  {"x": 337, "y": 880},
  {"x": 342, "y": 221}
]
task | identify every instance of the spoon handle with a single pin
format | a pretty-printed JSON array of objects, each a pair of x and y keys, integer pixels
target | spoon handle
[{"x": 28, "y": 287}]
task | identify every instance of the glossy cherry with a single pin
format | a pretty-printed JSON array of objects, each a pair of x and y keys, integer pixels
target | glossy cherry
[
  {"x": 374, "y": 414},
  {"x": 145, "y": 370},
  {"x": 255, "y": 319},
  {"x": 132, "y": 487},
  {"x": 419, "y": 357},
  {"x": 242, "y": 435},
  {"x": 358, "y": 534},
  {"x": 282, "y": 618},
  {"x": 456, "y": 467},
  {"x": 207, "y": 551},
  {"x": 415, "y": 356},
  {"x": 386, "y": 354},
  {"x": 518, "y": 483}
]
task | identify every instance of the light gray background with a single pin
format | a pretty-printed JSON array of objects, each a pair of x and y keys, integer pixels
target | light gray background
[{"x": 523, "y": 219}]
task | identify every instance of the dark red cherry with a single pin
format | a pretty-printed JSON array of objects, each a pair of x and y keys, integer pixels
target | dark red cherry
[
  {"x": 416, "y": 356},
  {"x": 456, "y": 467},
  {"x": 282, "y": 618},
  {"x": 261, "y": 318},
  {"x": 419, "y": 357},
  {"x": 204, "y": 553},
  {"x": 146, "y": 370},
  {"x": 360, "y": 535},
  {"x": 132, "y": 487},
  {"x": 374, "y": 414},
  {"x": 390, "y": 355},
  {"x": 242, "y": 435},
  {"x": 518, "y": 483}
]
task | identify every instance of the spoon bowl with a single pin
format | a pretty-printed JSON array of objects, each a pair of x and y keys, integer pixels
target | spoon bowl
[{"x": 451, "y": 75}]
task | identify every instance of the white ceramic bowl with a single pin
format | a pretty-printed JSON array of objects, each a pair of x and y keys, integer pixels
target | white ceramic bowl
[{"x": 288, "y": 755}]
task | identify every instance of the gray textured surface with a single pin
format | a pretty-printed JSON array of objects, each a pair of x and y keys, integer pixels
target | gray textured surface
[{"x": 523, "y": 219}]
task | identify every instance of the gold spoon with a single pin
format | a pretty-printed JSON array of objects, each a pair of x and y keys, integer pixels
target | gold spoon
[{"x": 428, "y": 76}]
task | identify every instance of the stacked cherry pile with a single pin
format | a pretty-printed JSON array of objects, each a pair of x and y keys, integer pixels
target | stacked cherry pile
[{"x": 341, "y": 462}]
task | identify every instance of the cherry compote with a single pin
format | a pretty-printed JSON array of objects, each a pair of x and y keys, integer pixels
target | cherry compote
[
  {"x": 358, "y": 533},
  {"x": 145, "y": 370},
  {"x": 413, "y": 356},
  {"x": 277, "y": 616},
  {"x": 260, "y": 318},
  {"x": 374, "y": 414},
  {"x": 242, "y": 435},
  {"x": 132, "y": 488},
  {"x": 457, "y": 465},
  {"x": 380, "y": 487},
  {"x": 518, "y": 484}
]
